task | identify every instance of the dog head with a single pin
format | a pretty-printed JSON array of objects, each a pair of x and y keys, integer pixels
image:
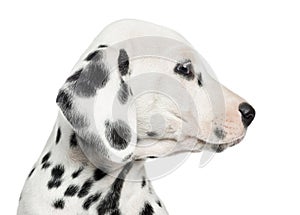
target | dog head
[{"x": 141, "y": 90}]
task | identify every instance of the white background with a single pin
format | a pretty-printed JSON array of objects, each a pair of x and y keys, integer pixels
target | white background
[{"x": 253, "y": 47}]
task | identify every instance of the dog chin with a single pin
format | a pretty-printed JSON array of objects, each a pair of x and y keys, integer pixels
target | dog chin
[{"x": 220, "y": 147}]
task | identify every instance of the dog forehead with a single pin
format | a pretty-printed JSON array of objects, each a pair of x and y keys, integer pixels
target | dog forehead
[
  {"x": 129, "y": 28},
  {"x": 129, "y": 33}
]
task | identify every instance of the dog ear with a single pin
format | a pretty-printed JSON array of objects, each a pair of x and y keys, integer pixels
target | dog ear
[{"x": 95, "y": 100}]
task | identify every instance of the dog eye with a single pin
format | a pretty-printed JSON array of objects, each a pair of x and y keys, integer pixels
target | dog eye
[
  {"x": 182, "y": 69},
  {"x": 185, "y": 69}
]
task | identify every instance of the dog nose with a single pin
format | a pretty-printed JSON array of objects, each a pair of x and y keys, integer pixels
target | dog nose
[{"x": 248, "y": 113}]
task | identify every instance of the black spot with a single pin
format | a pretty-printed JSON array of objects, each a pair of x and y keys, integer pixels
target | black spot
[
  {"x": 46, "y": 157},
  {"x": 151, "y": 133},
  {"x": 71, "y": 190},
  {"x": 102, "y": 46},
  {"x": 123, "y": 62},
  {"x": 98, "y": 174},
  {"x": 147, "y": 210},
  {"x": 77, "y": 172},
  {"x": 85, "y": 188},
  {"x": 75, "y": 76},
  {"x": 118, "y": 134},
  {"x": 220, "y": 133},
  {"x": 185, "y": 70},
  {"x": 54, "y": 183},
  {"x": 90, "y": 200},
  {"x": 92, "y": 55},
  {"x": 159, "y": 203},
  {"x": 46, "y": 165},
  {"x": 95, "y": 75},
  {"x": 58, "y": 135},
  {"x": 64, "y": 101},
  {"x": 58, "y": 171},
  {"x": 116, "y": 212},
  {"x": 143, "y": 182},
  {"x": 152, "y": 157},
  {"x": 31, "y": 172},
  {"x": 219, "y": 148},
  {"x": 73, "y": 140},
  {"x": 123, "y": 92},
  {"x": 59, "y": 204},
  {"x": 110, "y": 203},
  {"x": 199, "y": 79}
]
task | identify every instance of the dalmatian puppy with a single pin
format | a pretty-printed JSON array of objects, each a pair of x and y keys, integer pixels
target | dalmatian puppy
[{"x": 139, "y": 91}]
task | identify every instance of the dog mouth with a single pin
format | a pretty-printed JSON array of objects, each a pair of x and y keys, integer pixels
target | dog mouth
[{"x": 220, "y": 147}]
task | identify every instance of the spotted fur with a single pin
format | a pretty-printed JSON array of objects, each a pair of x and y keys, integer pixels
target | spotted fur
[
  {"x": 118, "y": 134},
  {"x": 92, "y": 163},
  {"x": 123, "y": 62}
]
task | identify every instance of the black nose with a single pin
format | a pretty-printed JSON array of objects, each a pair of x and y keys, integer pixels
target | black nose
[{"x": 248, "y": 113}]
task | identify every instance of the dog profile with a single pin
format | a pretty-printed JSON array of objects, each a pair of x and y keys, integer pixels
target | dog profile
[{"x": 140, "y": 91}]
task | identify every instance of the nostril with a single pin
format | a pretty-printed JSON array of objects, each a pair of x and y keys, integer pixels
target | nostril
[{"x": 248, "y": 113}]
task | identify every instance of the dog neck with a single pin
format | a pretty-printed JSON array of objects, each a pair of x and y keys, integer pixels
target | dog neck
[{"x": 121, "y": 186}]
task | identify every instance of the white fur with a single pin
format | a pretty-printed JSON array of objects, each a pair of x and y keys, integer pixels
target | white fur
[{"x": 182, "y": 114}]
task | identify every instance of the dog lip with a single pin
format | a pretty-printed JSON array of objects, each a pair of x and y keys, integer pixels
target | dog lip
[
  {"x": 219, "y": 145},
  {"x": 229, "y": 143}
]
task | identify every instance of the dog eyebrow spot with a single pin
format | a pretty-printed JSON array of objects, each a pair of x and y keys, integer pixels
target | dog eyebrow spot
[
  {"x": 123, "y": 62},
  {"x": 118, "y": 134},
  {"x": 199, "y": 79}
]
